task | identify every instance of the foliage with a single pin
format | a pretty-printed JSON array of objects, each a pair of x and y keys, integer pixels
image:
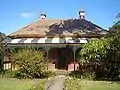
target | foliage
[
  {"x": 114, "y": 35},
  {"x": 84, "y": 84},
  {"x": 94, "y": 50},
  {"x": 76, "y": 74},
  {"x": 8, "y": 74},
  {"x": 72, "y": 84},
  {"x": 2, "y": 35},
  {"x": 39, "y": 86},
  {"x": 103, "y": 55},
  {"x": 0, "y": 57},
  {"x": 31, "y": 63},
  {"x": 97, "y": 57},
  {"x": 0, "y": 52},
  {"x": 114, "y": 53},
  {"x": 49, "y": 74},
  {"x": 82, "y": 74}
]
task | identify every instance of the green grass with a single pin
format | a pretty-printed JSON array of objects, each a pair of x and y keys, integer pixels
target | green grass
[
  {"x": 78, "y": 84},
  {"x": 21, "y": 84}
]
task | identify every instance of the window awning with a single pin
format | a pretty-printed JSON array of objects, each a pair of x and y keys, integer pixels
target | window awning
[{"x": 45, "y": 40}]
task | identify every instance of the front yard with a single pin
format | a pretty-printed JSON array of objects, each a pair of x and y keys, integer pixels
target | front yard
[
  {"x": 78, "y": 84},
  {"x": 70, "y": 84},
  {"x": 21, "y": 84}
]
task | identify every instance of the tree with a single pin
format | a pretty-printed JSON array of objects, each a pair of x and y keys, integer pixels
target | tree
[
  {"x": 94, "y": 55},
  {"x": 114, "y": 35},
  {"x": 2, "y": 36},
  {"x": 94, "y": 50},
  {"x": 114, "y": 53},
  {"x": 104, "y": 52}
]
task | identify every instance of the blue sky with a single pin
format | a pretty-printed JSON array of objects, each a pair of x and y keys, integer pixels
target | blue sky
[{"x": 15, "y": 14}]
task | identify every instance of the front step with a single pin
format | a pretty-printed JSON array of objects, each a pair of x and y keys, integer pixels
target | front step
[{"x": 62, "y": 72}]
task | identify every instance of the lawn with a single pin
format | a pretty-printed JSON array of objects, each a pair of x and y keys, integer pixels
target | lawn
[
  {"x": 21, "y": 84},
  {"x": 78, "y": 84}
]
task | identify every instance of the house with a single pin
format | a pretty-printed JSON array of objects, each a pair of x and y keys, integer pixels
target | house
[{"x": 61, "y": 39}]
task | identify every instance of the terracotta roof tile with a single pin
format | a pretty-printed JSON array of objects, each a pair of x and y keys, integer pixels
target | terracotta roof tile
[{"x": 57, "y": 27}]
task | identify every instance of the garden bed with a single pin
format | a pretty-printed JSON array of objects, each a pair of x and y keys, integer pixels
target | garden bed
[{"x": 83, "y": 84}]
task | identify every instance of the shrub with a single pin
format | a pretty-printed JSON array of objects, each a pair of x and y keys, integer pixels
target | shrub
[
  {"x": 49, "y": 74},
  {"x": 82, "y": 74},
  {"x": 76, "y": 74},
  {"x": 0, "y": 57},
  {"x": 8, "y": 74},
  {"x": 31, "y": 63}
]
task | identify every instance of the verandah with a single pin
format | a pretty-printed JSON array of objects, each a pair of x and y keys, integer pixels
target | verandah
[{"x": 7, "y": 62}]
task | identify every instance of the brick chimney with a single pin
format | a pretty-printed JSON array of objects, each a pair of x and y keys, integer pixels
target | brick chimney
[{"x": 82, "y": 14}]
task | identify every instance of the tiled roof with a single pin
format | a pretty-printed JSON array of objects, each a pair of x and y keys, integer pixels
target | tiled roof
[{"x": 70, "y": 27}]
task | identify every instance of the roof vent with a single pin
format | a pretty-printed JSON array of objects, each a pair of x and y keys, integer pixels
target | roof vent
[
  {"x": 42, "y": 16},
  {"x": 82, "y": 14}
]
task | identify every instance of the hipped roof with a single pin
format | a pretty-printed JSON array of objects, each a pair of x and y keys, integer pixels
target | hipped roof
[{"x": 57, "y": 27}]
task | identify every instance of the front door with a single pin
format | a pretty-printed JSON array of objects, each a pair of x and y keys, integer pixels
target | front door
[{"x": 62, "y": 58}]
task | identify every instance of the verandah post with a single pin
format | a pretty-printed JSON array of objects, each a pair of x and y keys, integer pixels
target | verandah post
[
  {"x": 74, "y": 50},
  {"x": 47, "y": 52},
  {"x": 47, "y": 59},
  {"x": 74, "y": 58}
]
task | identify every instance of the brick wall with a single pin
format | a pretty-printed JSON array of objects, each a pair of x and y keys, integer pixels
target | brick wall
[
  {"x": 53, "y": 57},
  {"x": 71, "y": 66}
]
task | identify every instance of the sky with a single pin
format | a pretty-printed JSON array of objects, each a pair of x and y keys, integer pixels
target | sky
[{"x": 15, "y": 14}]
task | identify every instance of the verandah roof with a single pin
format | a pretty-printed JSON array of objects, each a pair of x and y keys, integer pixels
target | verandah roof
[{"x": 45, "y": 40}]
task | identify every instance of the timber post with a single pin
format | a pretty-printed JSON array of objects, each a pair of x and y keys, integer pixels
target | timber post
[
  {"x": 47, "y": 55},
  {"x": 74, "y": 55}
]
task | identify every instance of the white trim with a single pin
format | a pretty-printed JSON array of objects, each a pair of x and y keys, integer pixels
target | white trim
[
  {"x": 69, "y": 40},
  {"x": 55, "y": 40},
  {"x": 28, "y": 40},
  {"x": 15, "y": 40},
  {"x": 83, "y": 40},
  {"x": 42, "y": 40}
]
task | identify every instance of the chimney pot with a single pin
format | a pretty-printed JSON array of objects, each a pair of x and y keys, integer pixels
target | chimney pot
[
  {"x": 42, "y": 16},
  {"x": 82, "y": 14}
]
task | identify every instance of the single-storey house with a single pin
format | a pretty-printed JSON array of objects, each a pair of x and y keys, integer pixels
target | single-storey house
[{"x": 62, "y": 39}]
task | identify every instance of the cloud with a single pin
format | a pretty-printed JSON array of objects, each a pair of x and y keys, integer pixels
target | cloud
[{"x": 26, "y": 15}]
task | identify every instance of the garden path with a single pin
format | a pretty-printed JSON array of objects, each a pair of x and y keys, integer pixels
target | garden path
[{"x": 56, "y": 83}]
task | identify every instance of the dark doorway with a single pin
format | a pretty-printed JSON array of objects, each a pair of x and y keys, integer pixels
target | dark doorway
[{"x": 62, "y": 58}]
